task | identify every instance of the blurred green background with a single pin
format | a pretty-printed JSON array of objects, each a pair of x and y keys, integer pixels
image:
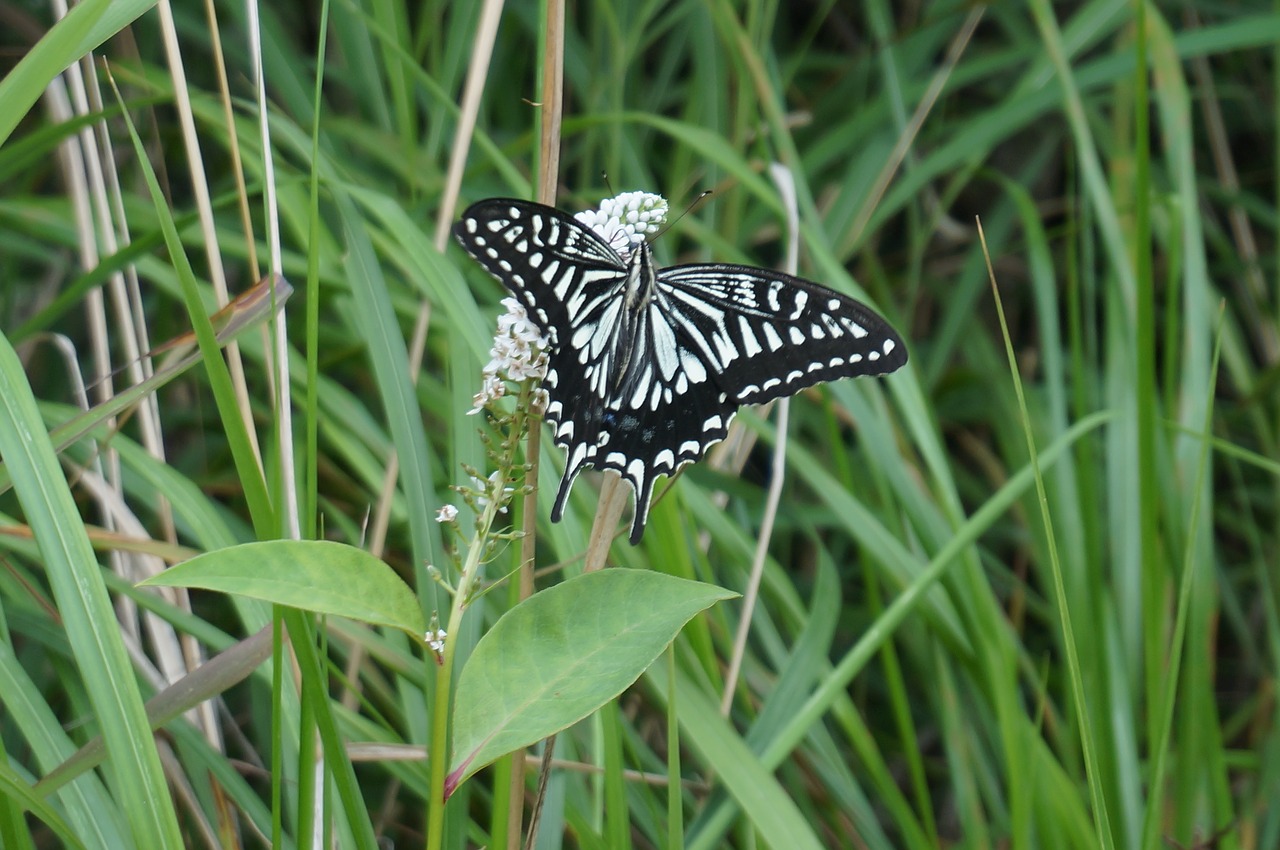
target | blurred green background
[{"x": 986, "y": 618}]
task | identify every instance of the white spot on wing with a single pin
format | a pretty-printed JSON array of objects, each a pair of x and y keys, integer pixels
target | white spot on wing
[
  {"x": 749, "y": 342},
  {"x": 772, "y": 296},
  {"x": 665, "y": 350},
  {"x": 856, "y": 329},
  {"x": 638, "y": 397},
  {"x": 576, "y": 456},
  {"x": 693, "y": 368},
  {"x": 725, "y": 349},
  {"x": 802, "y": 298}
]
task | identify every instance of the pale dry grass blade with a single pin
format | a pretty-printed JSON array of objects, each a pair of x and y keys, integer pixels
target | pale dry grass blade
[
  {"x": 473, "y": 90},
  {"x": 86, "y": 168},
  {"x": 277, "y": 343},
  {"x": 785, "y": 182},
  {"x": 552, "y": 111},
  {"x": 204, "y": 207}
]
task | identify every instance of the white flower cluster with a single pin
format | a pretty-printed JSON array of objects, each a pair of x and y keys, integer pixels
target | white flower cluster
[
  {"x": 519, "y": 352},
  {"x": 625, "y": 221}
]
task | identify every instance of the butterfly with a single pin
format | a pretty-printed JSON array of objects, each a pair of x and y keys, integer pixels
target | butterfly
[{"x": 647, "y": 365}]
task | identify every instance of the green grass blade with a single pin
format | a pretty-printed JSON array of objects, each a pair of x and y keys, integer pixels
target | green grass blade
[
  {"x": 85, "y": 609},
  {"x": 85, "y": 26}
]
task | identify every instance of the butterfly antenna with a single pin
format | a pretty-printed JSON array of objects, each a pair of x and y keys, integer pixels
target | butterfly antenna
[
  {"x": 690, "y": 208},
  {"x": 604, "y": 175}
]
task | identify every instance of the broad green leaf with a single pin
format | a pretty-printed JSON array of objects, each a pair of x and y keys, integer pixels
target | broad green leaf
[
  {"x": 563, "y": 653},
  {"x": 314, "y": 575}
]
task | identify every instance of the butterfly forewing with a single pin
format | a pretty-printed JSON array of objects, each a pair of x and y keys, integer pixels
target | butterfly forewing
[
  {"x": 543, "y": 256},
  {"x": 647, "y": 367},
  {"x": 765, "y": 334}
]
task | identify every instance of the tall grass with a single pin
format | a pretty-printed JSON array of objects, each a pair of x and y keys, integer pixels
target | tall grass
[{"x": 1017, "y": 601}]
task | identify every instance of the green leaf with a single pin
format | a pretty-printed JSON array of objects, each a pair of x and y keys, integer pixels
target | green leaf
[
  {"x": 314, "y": 575},
  {"x": 563, "y": 653},
  {"x": 17, "y": 791},
  {"x": 85, "y": 27}
]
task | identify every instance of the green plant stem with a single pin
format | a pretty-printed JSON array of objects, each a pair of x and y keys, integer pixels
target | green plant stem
[{"x": 439, "y": 753}]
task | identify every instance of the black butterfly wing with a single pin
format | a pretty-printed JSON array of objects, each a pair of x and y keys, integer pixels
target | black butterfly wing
[
  {"x": 572, "y": 284},
  {"x": 713, "y": 337},
  {"x": 644, "y": 382},
  {"x": 662, "y": 408},
  {"x": 764, "y": 334},
  {"x": 543, "y": 256}
]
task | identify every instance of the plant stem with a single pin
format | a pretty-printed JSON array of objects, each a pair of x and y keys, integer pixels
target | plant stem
[{"x": 438, "y": 755}]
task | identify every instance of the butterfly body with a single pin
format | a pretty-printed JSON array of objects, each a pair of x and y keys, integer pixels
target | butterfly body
[{"x": 648, "y": 366}]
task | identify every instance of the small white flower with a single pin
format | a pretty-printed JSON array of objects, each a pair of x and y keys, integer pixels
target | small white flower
[
  {"x": 435, "y": 640},
  {"x": 447, "y": 513},
  {"x": 487, "y": 490},
  {"x": 519, "y": 352},
  {"x": 492, "y": 389},
  {"x": 624, "y": 221},
  {"x": 538, "y": 403}
]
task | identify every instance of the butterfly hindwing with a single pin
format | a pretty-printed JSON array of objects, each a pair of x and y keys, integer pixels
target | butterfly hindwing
[{"x": 647, "y": 366}]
